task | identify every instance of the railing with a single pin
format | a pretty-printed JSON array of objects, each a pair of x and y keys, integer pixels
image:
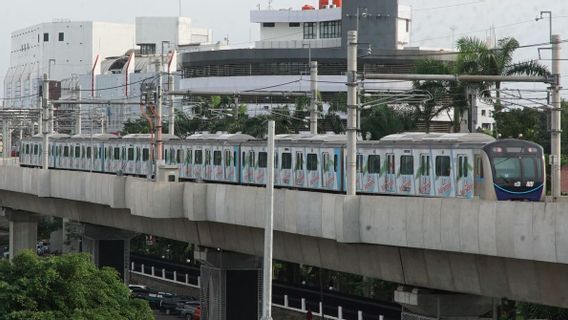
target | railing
[
  {"x": 173, "y": 277},
  {"x": 12, "y": 161}
]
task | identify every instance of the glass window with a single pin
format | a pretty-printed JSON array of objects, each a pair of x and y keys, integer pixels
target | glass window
[
  {"x": 268, "y": 24},
  {"x": 374, "y": 164},
  {"x": 310, "y": 31},
  {"x": 262, "y": 159},
  {"x": 96, "y": 152},
  {"x": 217, "y": 158},
  {"x": 330, "y": 29},
  {"x": 61, "y": 36},
  {"x": 299, "y": 161},
  {"x": 360, "y": 163},
  {"x": 286, "y": 160},
  {"x": 390, "y": 164},
  {"x": 327, "y": 164},
  {"x": 424, "y": 165},
  {"x": 145, "y": 154},
  {"x": 88, "y": 152},
  {"x": 234, "y": 158},
  {"x": 507, "y": 168},
  {"x": 294, "y": 24},
  {"x": 227, "y": 158},
  {"x": 116, "y": 154},
  {"x": 198, "y": 156},
  {"x": 77, "y": 152},
  {"x": 66, "y": 151},
  {"x": 137, "y": 154},
  {"x": 45, "y": 37},
  {"x": 207, "y": 157},
  {"x": 529, "y": 168},
  {"x": 27, "y": 149},
  {"x": 312, "y": 164},
  {"x": 130, "y": 154},
  {"x": 407, "y": 165},
  {"x": 189, "y": 157},
  {"x": 36, "y": 149},
  {"x": 251, "y": 159},
  {"x": 443, "y": 166}
]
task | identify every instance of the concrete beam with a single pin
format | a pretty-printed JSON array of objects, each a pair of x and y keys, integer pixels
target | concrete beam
[{"x": 23, "y": 230}]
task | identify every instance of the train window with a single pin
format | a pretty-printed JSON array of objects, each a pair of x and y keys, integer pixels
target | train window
[
  {"x": 189, "y": 157},
  {"x": 244, "y": 160},
  {"x": 529, "y": 168},
  {"x": 217, "y": 158},
  {"x": 326, "y": 162},
  {"x": 312, "y": 162},
  {"x": 77, "y": 152},
  {"x": 27, "y": 149},
  {"x": 166, "y": 155},
  {"x": 234, "y": 158},
  {"x": 424, "y": 165},
  {"x": 88, "y": 152},
  {"x": 390, "y": 164},
  {"x": 262, "y": 159},
  {"x": 96, "y": 153},
  {"x": 116, "y": 154},
  {"x": 198, "y": 156},
  {"x": 443, "y": 166},
  {"x": 407, "y": 165},
  {"x": 36, "y": 149},
  {"x": 130, "y": 154},
  {"x": 374, "y": 164},
  {"x": 334, "y": 163},
  {"x": 207, "y": 157},
  {"x": 299, "y": 161},
  {"x": 465, "y": 167},
  {"x": 227, "y": 158},
  {"x": 286, "y": 160},
  {"x": 145, "y": 154},
  {"x": 251, "y": 159},
  {"x": 66, "y": 151},
  {"x": 138, "y": 154},
  {"x": 462, "y": 167},
  {"x": 179, "y": 155},
  {"x": 275, "y": 159},
  {"x": 83, "y": 152},
  {"x": 360, "y": 168}
]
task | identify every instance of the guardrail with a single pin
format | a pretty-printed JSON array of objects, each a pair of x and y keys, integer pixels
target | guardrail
[{"x": 172, "y": 277}]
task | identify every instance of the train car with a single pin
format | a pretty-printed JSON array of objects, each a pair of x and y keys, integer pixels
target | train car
[
  {"x": 82, "y": 152},
  {"x": 31, "y": 150},
  {"x": 132, "y": 155}
]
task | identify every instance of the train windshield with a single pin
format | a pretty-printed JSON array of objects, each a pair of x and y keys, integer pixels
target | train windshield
[{"x": 518, "y": 168}]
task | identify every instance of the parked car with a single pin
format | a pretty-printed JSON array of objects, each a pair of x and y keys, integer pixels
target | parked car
[
  {"x": 188, "y": 309},
  {"x": 170, "y": 304}
]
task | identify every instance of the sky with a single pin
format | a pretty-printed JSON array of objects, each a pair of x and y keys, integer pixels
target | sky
[{"x": 435, "y": 22}]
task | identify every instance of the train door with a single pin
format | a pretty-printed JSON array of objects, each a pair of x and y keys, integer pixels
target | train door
[
  {"x": 129, "y": 164},
  {"x": 137, "y": 160},
  {"x": 443, "y": 174},
  {"x": 147, "y": 165},
  {"x": 51, "y": 159},
  {"x": 180, "y": 159},
  {"x": 405, "y": 180},
  {"x": 248, "y": 165},
  {"x": 372, "y": 172},
  {"x": 218, "y": 170},
  {"x": 299, "y": 168},
  {"x": 208, "y": 166},
  {"x": 313, "y": 168},
  {"x": 198, "y": 163},
  {"x": 187, "y": 169},
  {"x": 478, "y": 176},
  {"x": 464, "y": 181},
  {"x": 329, "y": 170},
  {"x": 229, "y": 164},
  {"x": 359, "y": 172},
  {"x": 389, "y": 184},
  {"x": 425, "y": 175},
  {"x": 285, "y": 167},
  {"x": 261, "y": 168}
]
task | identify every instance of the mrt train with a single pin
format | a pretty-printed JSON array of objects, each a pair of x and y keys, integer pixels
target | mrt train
[{"x": 468, "y": 166}]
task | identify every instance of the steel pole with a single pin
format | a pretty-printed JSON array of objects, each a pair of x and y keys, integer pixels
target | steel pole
[
  {"x": 5, "y": 139},
  {"x": 78, "y": 123},
  {"x": 314, "y": 96},
  {"x": 556, "y": 131},
  {"x": 268, "y": 229},
  {"x": 45, "y": 125},
  {"x": 352, "y": 103},
  {"x": 236, "y": 108},
  {"x": 172, "y": 106},
  {"x": 159, "y": 142}
]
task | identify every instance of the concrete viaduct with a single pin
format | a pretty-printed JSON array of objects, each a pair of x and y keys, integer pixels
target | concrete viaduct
[{"x": 517, "y": 250}]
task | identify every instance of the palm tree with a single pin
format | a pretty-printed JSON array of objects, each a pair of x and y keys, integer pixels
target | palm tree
[{"x": 476, "y": 57}]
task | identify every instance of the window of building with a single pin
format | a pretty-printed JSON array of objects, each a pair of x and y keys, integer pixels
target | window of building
[
  {"x": 268, "y": 24},
  {"x": 310, "y": 31},
  {"x": 294, "y": 24},
  {"x": 147, "y": 48},
  {"x": 407, "y": 165},
  {"x": 61, "y": 36},
  {"x": 45, "y": 37},
  {"x": 443, "y": 166},
  {"x": 330, "y": 29},
  {"x": 483, "y": 113}
]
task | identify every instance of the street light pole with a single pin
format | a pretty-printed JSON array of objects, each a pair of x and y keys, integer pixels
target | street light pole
[
  {"x": 556, "y": 128},
  {"x": 314, "y": 97},
  {"x": 268, "y": 229},
  {"x": 352, "y": 104},
  {"x": 45, "y": 127}
]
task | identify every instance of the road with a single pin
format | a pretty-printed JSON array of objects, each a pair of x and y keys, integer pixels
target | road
[{"x": 162, "y": 316}]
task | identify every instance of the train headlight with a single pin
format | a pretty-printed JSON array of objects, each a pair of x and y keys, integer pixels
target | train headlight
[
  {"x": 497, "y": 149},
  {"x": 532, "y": 150}
]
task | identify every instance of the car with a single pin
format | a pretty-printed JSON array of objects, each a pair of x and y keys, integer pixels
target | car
[
  {"x": 187, "y": 309},
  {"x": 170, "y": 303}
]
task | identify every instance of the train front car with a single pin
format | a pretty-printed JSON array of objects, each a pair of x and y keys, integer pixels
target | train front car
[{"x": 517, "y": 169}]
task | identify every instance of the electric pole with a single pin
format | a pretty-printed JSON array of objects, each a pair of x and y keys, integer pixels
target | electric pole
[
  {"x": 45, "y": 126},
  {"x": 171, "y": 101},
  {"x": 78, "y": 123},
  {"x": 268, "y": 229},
  {"x": 556, "y": 131},
  {"x": 159, "y": 142},
  {"x": 314, "y": 100},
  {"x": 352, "y": 105},
  {"x": 236, "y": 108}
]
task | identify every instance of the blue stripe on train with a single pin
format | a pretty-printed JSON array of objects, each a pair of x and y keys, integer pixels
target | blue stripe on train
[{"x": 531, "y": 195}]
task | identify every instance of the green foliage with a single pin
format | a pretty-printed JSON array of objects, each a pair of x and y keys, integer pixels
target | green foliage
[
  {"x": 66, "y": 287},
  {"x": 529, "y": 123},
  {"x": 382, "y": 121},
  {"x": 172, "y": 250},
  {"x": 535, "y": 311}
]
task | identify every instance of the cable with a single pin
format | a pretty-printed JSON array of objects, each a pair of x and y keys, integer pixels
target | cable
[
  {"x": 111, "y": 88},
  {"x": 274, "y": 86}
]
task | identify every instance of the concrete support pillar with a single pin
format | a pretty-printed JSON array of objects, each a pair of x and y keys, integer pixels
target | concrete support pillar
[
  {"x": 23, "y": 230},
  {"x": 230, "y": 285},
  {"x": 109, "y": 247}
]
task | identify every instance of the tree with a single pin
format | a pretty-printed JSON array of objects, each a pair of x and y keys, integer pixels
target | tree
[
  {"x": 64, "y": 287},
  {"x": 382, "y": 121}
]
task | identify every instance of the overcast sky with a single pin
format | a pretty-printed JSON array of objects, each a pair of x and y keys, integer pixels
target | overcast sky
[{"x": 433, "y": 20}]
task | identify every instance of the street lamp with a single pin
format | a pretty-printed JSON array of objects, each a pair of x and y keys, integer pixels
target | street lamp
[{"x": 549, "y": 13}]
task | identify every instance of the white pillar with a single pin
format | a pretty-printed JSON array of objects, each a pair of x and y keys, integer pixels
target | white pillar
[
  {"x": 352, "y": 104},
  {"x": 556, "y": 121}
]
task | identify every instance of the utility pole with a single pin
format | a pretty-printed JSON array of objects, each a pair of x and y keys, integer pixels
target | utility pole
[
  {"x": 314, "y": 94},
  {"x": 78, "y": 123},
  {"x": 45, "y": 127},
  {"x": 352, "y": 105},
  {"x": 159, "y": 142},
  {"x": 171, "y": 101},
  {"x": 5, "y": 133},
  {"x": 268, "y": 229},
  {"x": 236, "y": 108},
  {"x": 556, "y": 131}
]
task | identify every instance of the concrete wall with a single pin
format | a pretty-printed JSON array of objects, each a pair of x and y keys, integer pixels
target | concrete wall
[{"x": 512, "y": 249}]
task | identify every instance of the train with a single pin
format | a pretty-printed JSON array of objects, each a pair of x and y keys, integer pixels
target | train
[{"x": 434, "y": 165}]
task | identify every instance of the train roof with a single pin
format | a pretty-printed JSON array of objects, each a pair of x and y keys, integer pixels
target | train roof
[
  {"x": 438, "y": 138},
  {"x": 52, "y": 135},
  {"x": 233, "y": 137},
  {"x": 317, "y": 138},
  {"x": 147, "y": 136},
  {"x": 98, "y": 136}
]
